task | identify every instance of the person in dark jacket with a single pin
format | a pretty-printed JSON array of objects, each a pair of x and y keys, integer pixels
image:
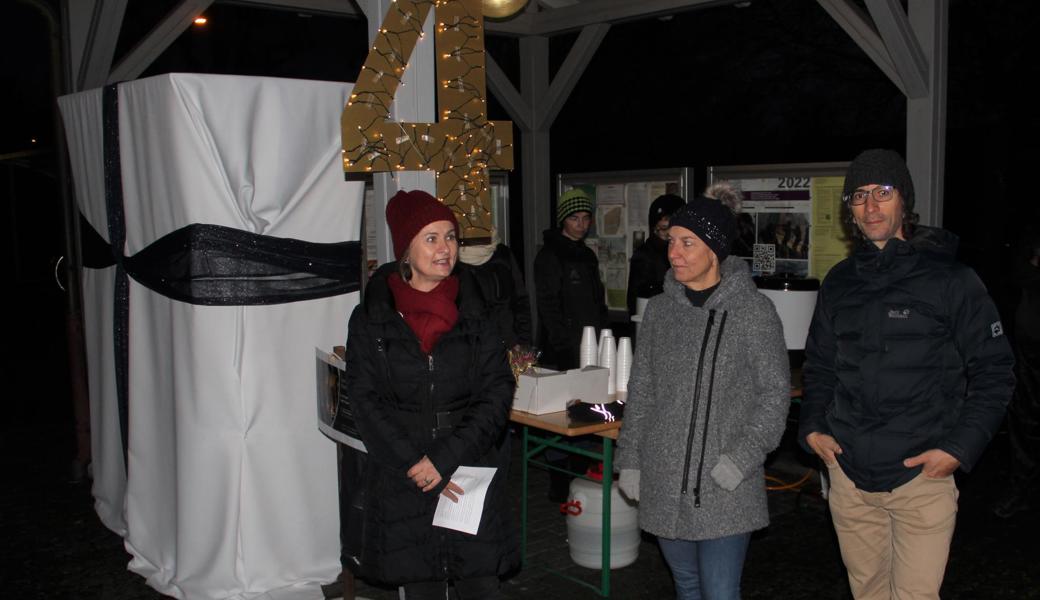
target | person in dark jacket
[
  {"x": 1023, "y": 420},
  {"x": 907, "y": 376},
  {"x": 569, "y": 292},
  {"x": 705, "y": 407},
  {"x": 569, "y": 295},
  {"x": 502, "y": 284},
  {"x": 649, "y": 261},
  {"x": 431, "y": 390}
]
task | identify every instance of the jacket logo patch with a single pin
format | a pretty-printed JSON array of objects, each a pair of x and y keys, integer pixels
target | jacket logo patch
[
  {"x": 899, "y": 313},
  {"x": 574, "y": 276},
  {"x": 996, "y": 329}
]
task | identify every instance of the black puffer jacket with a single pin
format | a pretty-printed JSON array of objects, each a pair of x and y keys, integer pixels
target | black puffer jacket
[
  {"x": 646, "y": 271},
  {"x": 400, "y": 395},
  {"x": 569, "y": 296},
  {"x": 906, "y": 353},
  {"x": 502, "y": 286}
]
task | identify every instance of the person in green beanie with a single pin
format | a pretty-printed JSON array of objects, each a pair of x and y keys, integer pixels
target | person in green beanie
[{"x": 569, "y": 292}]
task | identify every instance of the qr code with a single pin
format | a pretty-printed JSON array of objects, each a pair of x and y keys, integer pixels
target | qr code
[{"x": 765, "y": 258}]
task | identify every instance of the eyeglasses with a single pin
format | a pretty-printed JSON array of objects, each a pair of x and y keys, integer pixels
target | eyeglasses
[{"x": 882, "y": 193}]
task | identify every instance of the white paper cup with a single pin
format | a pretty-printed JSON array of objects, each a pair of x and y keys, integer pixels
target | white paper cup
[{"x": 641, "y": 305}]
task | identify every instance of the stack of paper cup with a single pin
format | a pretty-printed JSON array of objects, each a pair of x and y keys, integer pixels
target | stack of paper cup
[
  {"x": 588, "y": 351},
  {"x": 608, "y": 360},
  {"x": 603, "y": 334},
  {"x": 624, "y": 363}
]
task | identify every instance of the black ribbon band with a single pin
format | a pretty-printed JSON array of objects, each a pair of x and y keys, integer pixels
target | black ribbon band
[{"x": 214, "y": 265}]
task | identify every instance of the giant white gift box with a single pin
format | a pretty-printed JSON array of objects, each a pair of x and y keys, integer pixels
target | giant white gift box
[{"x": 230, "y": 490}]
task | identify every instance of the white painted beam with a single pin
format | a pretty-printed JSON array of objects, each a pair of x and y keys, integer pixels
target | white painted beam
[
  {"x": 100, "y": 44},
  {"x": 500, "y": 85},
  {"x": 894, "y": 27},
  {"x": 414, "y": 102},
  {"x": 858, "y": 26},
  {"x": 158, "y": 40},
  {"x": 926, "y": 117},
  {"x": 534, "y": 158},
  {"x": 76, "y": 18},
  {"x": 570, "y": 72}
]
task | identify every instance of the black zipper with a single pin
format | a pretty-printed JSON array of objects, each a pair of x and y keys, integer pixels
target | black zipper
[
  {"x": 381, "y": 350},
  {"x": 707, "y": 411},
  {"x": 431, "y": 417},
  {"x": 696, "y": 401}
]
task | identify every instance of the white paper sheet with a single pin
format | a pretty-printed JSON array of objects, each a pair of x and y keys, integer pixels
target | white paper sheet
[
  {"x": 611, "y": 193},
  {"x": 465, "y": 514}
]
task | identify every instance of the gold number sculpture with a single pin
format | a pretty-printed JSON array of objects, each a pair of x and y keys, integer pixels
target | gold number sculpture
[{"x": 462, "y": 145}]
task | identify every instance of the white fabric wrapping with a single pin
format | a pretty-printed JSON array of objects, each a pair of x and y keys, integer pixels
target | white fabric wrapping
[{"x": 232, "y": 491}]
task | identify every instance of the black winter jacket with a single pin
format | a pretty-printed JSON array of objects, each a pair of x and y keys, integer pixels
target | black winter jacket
[
  {"x": 502, "y": 286},
  {"x": 569, "y": 296},
  {"x": 906, "y": 353},
  {"x": 646, "y": 270},
  {"x": 400, "y": 396}
]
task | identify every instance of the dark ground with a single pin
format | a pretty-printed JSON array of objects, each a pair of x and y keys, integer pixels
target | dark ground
[{"x": 54, "y": 546}]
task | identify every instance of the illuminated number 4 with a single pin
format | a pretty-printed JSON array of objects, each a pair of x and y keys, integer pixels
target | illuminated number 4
[{"x": 462, "y": 145}]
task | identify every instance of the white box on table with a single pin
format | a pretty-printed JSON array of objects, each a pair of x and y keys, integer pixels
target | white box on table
[{"x": 548, "y": 391}]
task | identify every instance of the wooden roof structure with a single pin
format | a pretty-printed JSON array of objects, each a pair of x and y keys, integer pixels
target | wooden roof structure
[{"x": 908, "y": 45}]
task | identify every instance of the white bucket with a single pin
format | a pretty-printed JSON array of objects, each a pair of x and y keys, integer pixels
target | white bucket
[{"x": 585, "y": 526}]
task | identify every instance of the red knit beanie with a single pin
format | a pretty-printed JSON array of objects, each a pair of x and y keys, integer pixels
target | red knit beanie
[{"x": 408, "y": 212}]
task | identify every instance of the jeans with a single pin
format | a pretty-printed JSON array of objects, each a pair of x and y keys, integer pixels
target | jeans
[{"x": 708, "y": 569}]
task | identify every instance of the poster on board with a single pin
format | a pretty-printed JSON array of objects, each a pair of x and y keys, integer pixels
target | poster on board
[
  {"x": 790, "y": 222},
  {"x": 777, "y": 212}
]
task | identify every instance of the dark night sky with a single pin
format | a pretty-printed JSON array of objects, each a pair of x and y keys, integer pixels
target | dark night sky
[{"x": 778, "y": 81}]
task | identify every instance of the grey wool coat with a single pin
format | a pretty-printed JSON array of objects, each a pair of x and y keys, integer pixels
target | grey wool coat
[{"x": 706, "y": 382}]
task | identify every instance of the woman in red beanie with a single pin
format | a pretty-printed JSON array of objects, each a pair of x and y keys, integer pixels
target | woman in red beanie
[{"x": 431, "y": 389}]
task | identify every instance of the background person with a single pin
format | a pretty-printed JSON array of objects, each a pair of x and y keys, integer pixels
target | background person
[
  {"x": 502, "y": 285},
  {"x": 431, "y": 389},
  {"x": 708, "y": 398},
  {"x": 1023, "y": 419},
  {"x": 568, "y": 289},
  {"x": 569, "y": 295},
  {"x": 906, "y": 378},
  {"x": 649, "y": 261}
]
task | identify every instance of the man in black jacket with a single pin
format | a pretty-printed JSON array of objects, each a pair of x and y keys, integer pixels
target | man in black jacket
[{"x": 907, "y": 377}]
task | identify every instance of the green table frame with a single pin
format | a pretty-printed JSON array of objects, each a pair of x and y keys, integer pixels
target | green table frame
[{"x": 556, "y": 431}]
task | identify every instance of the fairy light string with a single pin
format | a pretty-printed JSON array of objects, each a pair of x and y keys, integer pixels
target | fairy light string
[{"x": 463, "y": 145}]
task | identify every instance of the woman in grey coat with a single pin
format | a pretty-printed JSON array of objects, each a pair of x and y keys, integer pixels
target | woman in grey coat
[{"x": 708, "y": 398}]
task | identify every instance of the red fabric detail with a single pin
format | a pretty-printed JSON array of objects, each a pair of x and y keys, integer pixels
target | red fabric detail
[{"x": 429, "y": 314}]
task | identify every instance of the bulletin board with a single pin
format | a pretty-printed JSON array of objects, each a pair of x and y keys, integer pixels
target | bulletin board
[
  {"x": 620, "y": 224},
  {"x": 791, "y": 218}
]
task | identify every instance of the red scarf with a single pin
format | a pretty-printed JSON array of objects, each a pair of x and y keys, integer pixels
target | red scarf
[{"x": 429, "y": 314}]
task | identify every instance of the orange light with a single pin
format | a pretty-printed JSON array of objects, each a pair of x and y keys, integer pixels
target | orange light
[{"x": 200, "y": 20}]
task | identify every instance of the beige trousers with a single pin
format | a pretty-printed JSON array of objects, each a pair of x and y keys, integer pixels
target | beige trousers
[{"x": 894, "y": 544}]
